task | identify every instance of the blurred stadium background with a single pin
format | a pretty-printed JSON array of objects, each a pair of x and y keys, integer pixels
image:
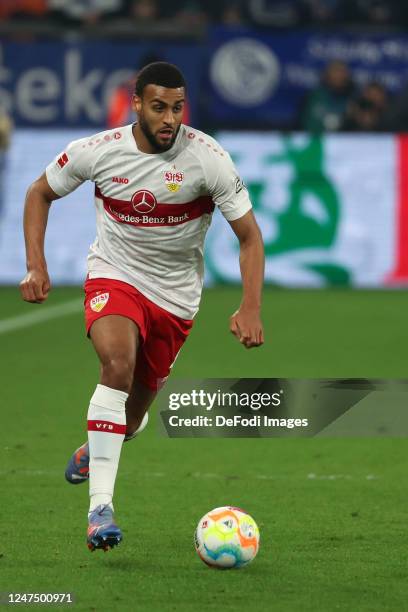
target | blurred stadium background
[
  {"x": 311, "y": 99},
  {"x": 309, "y": 96}
]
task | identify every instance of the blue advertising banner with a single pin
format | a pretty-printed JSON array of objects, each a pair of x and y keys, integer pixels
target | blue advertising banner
[
  {"x": 240, "y": 78},
  {"x": 263, "y": 77},
  {"x": 55, "y": 83}
]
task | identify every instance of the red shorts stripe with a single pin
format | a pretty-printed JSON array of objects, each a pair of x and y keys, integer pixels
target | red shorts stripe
[{"x": 106, "y": 426}]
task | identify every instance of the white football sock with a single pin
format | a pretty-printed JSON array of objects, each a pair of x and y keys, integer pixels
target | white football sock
[{"x": 106, "y": 432}]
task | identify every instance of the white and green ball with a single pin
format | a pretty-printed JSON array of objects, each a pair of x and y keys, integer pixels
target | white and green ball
[{"x": 227, "y": 537}]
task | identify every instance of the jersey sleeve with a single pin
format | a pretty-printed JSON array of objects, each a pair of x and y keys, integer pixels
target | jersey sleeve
[
  {"x": 70, "y": 168},
  {"x": 226, "y": 187}
]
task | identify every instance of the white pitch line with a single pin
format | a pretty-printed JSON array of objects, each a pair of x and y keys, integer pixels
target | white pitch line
[
  {"x": 39, "y": 316},
  {"x": 200, "y": 476}
]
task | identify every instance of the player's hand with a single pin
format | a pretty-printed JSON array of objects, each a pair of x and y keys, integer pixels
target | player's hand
[
  {"x": 246, "y": 325},
  {"x": 35, "y": 286}
]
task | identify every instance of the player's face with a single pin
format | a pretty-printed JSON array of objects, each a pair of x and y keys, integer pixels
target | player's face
[{"x": 160, "y": 111}]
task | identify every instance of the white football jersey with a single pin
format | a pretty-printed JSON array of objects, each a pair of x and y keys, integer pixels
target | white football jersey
[{"x": 152, "y": 210}]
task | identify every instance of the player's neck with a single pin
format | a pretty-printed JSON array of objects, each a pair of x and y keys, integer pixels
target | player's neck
[{"x": 142, "y": 142}]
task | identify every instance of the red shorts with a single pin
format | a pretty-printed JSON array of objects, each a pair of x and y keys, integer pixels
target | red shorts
[{"x": 162, "y": 334}]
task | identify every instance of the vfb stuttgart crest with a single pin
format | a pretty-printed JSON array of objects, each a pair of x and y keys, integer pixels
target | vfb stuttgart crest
[
  {"x": 143, "y": 201},
  {"x": 99, "y": 302},
  {"x": 173, "y": 180}
]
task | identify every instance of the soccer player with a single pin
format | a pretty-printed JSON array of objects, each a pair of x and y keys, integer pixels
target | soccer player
[{"x": 156, "y": 185}]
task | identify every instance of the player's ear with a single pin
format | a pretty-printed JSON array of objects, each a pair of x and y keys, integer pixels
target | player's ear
[{"x": 136, "y": 103}]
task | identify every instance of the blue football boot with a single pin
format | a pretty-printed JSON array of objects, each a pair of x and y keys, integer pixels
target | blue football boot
[
  {"x": 78, "y": 466},
  {"x": 102, "y": 531}
]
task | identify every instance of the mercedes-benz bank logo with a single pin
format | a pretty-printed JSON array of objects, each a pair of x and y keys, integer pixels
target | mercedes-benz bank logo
[
  {"x": 245, "y": 72},
  {"x": 143, "y": 201}
]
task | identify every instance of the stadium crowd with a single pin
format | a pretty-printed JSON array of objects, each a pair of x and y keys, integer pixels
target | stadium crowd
[
  {"x": 337, "y": 103},
  {"x": 262, "y": 13}
]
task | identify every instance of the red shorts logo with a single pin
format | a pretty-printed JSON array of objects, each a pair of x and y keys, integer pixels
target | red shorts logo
[
  {"x": 99, "y": 301},
  {"x": 143, "y": 201}
]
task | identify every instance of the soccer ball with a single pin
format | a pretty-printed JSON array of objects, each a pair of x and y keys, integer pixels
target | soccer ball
[{"x": 227, "y": 537}]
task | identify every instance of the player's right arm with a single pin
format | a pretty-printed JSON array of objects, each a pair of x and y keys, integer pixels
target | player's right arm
[
  {"x": 68, "y": 170},
  {"x": 36, "y": 284}
]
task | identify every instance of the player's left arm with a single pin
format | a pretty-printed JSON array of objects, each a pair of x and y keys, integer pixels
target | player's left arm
[
  {"x": 246, "y": 322},
  {"x": 231, "y": 196}
]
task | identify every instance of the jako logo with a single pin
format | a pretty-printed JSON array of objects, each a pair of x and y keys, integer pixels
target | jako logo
[
  {"x": 104, "y": 426},
  {"x": 119, "y": 179}
]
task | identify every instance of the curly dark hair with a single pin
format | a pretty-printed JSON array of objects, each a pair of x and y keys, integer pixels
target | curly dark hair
[{"x": 159, "y": 73}]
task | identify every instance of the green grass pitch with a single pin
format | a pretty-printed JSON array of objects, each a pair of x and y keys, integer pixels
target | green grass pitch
[{"x": 333, "y": 542}]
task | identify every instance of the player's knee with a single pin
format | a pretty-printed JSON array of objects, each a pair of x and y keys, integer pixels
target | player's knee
[{"x": 118, "y": 372}]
